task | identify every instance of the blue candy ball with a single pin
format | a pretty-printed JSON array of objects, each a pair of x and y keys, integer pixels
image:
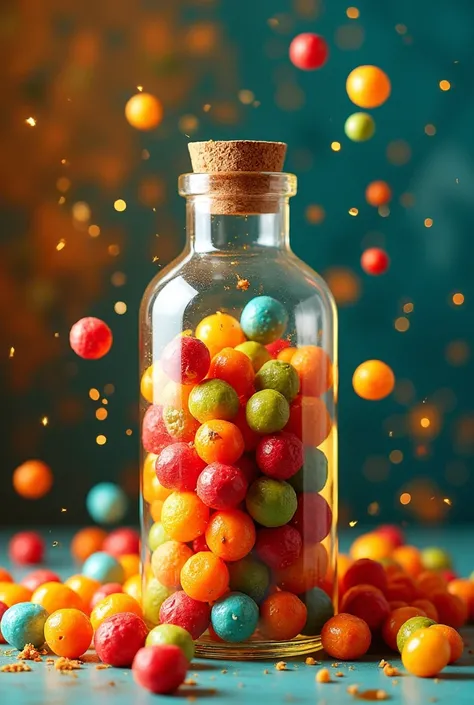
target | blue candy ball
[
  {"x": 320, "y": 609},
  {"x": 103, "y": 567},
  {"x": 264, "y": 319},
  {"x": 23, "y": 623},
  {"x": 107, "y": 503},
  {"x": 234, "y": 617}
]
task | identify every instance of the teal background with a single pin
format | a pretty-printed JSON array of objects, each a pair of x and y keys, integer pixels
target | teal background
[{"x": 80, "y": 64}]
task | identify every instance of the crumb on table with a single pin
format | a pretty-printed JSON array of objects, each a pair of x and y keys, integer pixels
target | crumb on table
[
  {"x": 383, "y": 663},
  {"x": 67, "y": 664},
  {"x": 352, "y": 689},
  {"x": 323, "y": 676},
  {"x": 310, "y": 661},
  {"x": 339, "y": 674},
  {"x": 390, "y": 671},
  {"x": 15, "y": 668},
  {"x": 101, "y": 666},
  {"x": 281, "y": 666},
  {"x": 190, "y": 681},
  {"x": 29, "y": 653},
  {"x": 242, "y": 284}
]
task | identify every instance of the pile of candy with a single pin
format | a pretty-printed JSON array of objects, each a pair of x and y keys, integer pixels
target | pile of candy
[{"x": 233, "y": 480}]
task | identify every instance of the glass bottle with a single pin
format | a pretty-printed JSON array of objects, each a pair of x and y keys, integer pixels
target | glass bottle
[{"x": 239, "y": 439}]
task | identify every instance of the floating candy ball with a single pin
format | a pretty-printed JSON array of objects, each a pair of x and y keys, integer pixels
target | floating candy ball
[
  {"x": 23, "y": 623},
  {"x": 283, "y": 616},
  {"x": 264, "y": 319},
  {"x": 375, "y": 261},
  {"x": 271, "y": 503},
  {"x": 213, "y": 399},
  {"x": 68, "y": 633},
  {"x": 26, "y": 548},
  {"x": 143, "y": 111},
  {"x": 219, "y": 331},
  {"x": 86, "y": 542},
  {"x": 160, "y": 669},
  {"x": 267, "y": 411},
  {"x": 33, "y": 479},
  {"x": 373, "y": 380},
  {"x": 185, "y": 612},
  {"x": 90, "y": 338},
  {"x": 368, "y": 86},
  {"x": 234, "y": 617},
  {"x": 38, "y": 577},
  {"x": 308, "y": 51},
  {"x": 172, "y": 634},
  {"x": 280, "y": 455},
  {"x": 378, "y": 193},
  {"x": 119, "y": 637},
  {"x": 178, "y": 467},
  {"x": 107, "y": 503},
  {"x": 121, "y": 542},
  {"x": 221, "y": 486},
  {"x": 279, "y": 375},
  {"x": 249, "y": 576},
  {"x": 256, "y": 352},
  {"x": 359, "y": 127},
  {"x": 346, "y": 637},
  {"x": 320, "y": 609},
  {"x": 280, "y": 547},
  {"x": 185, "y": 360},
  {"x": 103, "y": 567}
]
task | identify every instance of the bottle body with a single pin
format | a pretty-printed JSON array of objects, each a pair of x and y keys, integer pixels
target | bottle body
[{"x": 239, "y": 461}]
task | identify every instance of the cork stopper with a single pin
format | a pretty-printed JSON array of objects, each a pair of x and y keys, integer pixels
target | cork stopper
[{"x": 240, "y": 174}]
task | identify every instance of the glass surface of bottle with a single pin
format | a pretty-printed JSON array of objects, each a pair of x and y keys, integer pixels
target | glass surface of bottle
[{"x": 238, "y": 348}]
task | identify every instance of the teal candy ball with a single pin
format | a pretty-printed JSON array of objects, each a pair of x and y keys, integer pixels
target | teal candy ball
[
  {"x": 359, "y": 127},
  {"x": 320, "y": 609},
  {"x": 234, "y": 617},
  {"x": 23, "y": 623},
  {"x": 103, "y": 567},
  {"x": 107, "y": 503},
  {"x": 264, "y": 319}
]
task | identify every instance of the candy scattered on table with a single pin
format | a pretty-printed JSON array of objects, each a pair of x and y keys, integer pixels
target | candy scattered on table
[{"x": 119, "y": 637}]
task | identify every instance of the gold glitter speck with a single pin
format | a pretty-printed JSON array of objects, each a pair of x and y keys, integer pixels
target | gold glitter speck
[
  {"x": 336, "y": 146},
  {"x": 101, "y": 440},
  {"x": 31, "y": 121},
  {"x": 458, "y": 299},
  {"x": 444, "y": 85},
  {"x": 353, "y": 13},
  {"x": 120, "y": 205}
]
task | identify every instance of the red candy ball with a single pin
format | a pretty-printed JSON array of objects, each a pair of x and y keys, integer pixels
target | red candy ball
[
  {"x": 394, "y": 534},
  {"x": 308, "y": 51},
  {"x": 178, "y": 467},
  {"x": 26, "y": 548},
  {"x": 119, "y": 637},
  {"x": 121, "y": 542},
  {"x": 280, "y": 455},
  {"x": 160, "y": 669},
  {"x": 375, "y": 261},
  {"x": 277, "y": 346},
  {"x": 280, "y": 547},
  {"x": 155, "y": 437},
  {"x": 313, "y": 517},
  {"x": 186, "y": 360},
  {"x": 365, "y": 571},
  {"x": 222, "y": 486},
  {"x": 104, "y": 591},
  {"x": 90, "y": 338},
  {"x": 183, "y": 611},
  {"x": 367, "y": 603},
  {"x": 38, "y": 577}
]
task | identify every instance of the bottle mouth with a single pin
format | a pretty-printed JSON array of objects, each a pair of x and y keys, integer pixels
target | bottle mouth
[{"x": 232, "y": 185}]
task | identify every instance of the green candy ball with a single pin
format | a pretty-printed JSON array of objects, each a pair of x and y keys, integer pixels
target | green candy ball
[
  {"x": 280, "y": 376},
  {"x": 320, "y": 610},
  {"x": 257, "y": 353},
  {"x": 153, "y": 597},
  {"x": 157, "y": 535},
  {"x": 434, "y": 558},
  {"x": 313, "y": 476},
  {"x": 359, "y": 127},
  {"x": 411, "y": 626},
  {"x": 271, "y": 503},
  {"x": 249, "y": 576},
  {"x": 213, "y": 399},
  {"x": 172, "y": 634},
  {"x": 267, "y": 411}
]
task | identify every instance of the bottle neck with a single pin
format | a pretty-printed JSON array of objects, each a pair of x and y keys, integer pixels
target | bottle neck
[{"x": 231, "y": 234}]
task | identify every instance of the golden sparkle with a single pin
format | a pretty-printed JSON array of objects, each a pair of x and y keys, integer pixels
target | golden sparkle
[
  {"x": 425, "y": 422},
  {"x": 101, "y": 440},
  {"x": 139, "y": 89},
  {"x": 336, "y": 146},
  {"x": 61, "y": 245},
  {"x": 428, "y": 222},
  {"x": 458, "y": 299},
  {"x": 93, "y": 230},
  {"x": 353, "y": 523},
  {"x": 444, "y": 85},
  {"x": 353, "y": 211},
  {"x": 61, "y": 201},
  {"x": 31, "y": 121},
  {"x": 448, "y": 501},
  {"x": 430, "y": 130},
  {"x": 353, "y": 13},
  {"x": 94, "y": 394},
  {"x": 402, "y": 324},
  {"x": 44, "y": 421},
  {"x": 63, "y": 509},
  {"x": 408, "y": 307},
  {"x": 246, "y": 97},
  {"x": 120, "y": 307},
  {"x": 63, "y": 184},
  {"x": 12, "y": 352},
  {"x": 396, "y": 457},
  {"x": 113, "y": 250},
  {"x": 101, "y": 414},
  {"x": 128, "y": 432},
  {"x": 120, "y": 205},
  {"x": 81, "y": 212},
  {"x": 315, "y": 214},
  {"x": 105, "y": 402},
  {"x": 405, "y": 498}
]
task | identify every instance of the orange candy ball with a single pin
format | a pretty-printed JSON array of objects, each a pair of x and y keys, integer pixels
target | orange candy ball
[
  {"x": 464, "y": 589},
  {"x": 309, "y": 420},
  {"x": 143, "y": 111},
  {"x": 428, "y": 581},
  {"x": 84, "y": 586},
  {"x": 409, "y": 559},
  {"x": 33, "y": 479},
  {"x": 12, "y": 593},
  {"x": 286, "y": 355},
  {"x": 86, "y": 542},
  {"x": 152, "y": 383},
  {"x": 184, "y": 516},
  {"x": 371, "y": 545},
  {"x": 231, "y": 534},
  {"x": 378, "y": 193},
  {"x": 373, "y": 380},
  {"x": 151, "y": 486},
  {"x": 130, "y": 563},
  {"x": 167, "y": 562},
  {"x": 282, "y": 616},
  {"x": 426, "y": 653},
  {"x": 235, "y": 368},
  {"x": 452, "y": 610},
  {"x": 395, "y": 620},
  {"x": 454, "y": 639},
  {"x": 56, "y": 596},
  {"x": 368, "y": 86},
  {"x": 205, "y": 577},
  {"x": 220, "y": 330},
  {"x": 114, "y": 604},
  {"x": 346, "y": 637},
  {"x": 133, "y": 587},
  {"x": 219, "y": 442},
  {"x": 314, "y": 369},
  {"x": 68, "y": 633},
  {"x": 428, "y": 608},
  {"x": 5, "y": 576}
]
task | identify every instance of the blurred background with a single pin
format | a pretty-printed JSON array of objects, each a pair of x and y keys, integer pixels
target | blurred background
[{"x": 90, "y": 214}]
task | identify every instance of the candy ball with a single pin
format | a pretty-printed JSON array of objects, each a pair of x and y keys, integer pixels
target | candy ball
[
  {"x": 271, "y": 503},
  {"x": 68, "y": 633},
  {"x": 279, "y": 547},
  {"x": 86, "y": 542},
  {"x": 3, "y": 609},
  {"x": 234, "y": 617},
  {"x": 282, "y": 616},
  {"x": 267, "y": 411},
  {"x": 367, "y": 603},
  {"x": 172, "y": 634},
  {"x": 104, "y": 591},
  {"x": 168, "y": 560},
  {"x": 281, "y": 376},
  {"x": 33, "y": 479},
  {"x": 280, "y": 455},
  {"x": 185, "y": 360},
  {"x": 106, "y": 503},
  {"x": 264, "y": 319},
  {"x": 178, "y": 467},
  {"x": 426, "y": 653},
  {"x": 359, "y": 127},
  {"x": 12, "y": 593},
  {"x": 218, "y": 331},
  {"x": 114, "y": 604},
  {"x": 221, "y": 486},
  {"x": 312, "y": 477},
  {"x": 154, "y": 596},
  {"x": 219, "y": 441},
  {"x": 122, "y": 541},
  {"x": 84, "y": 587},
  {"x": 434, "y": 558},
  {"x": 249, "y": 576},
  {"x": 103, "y": 567},
  {"x": 185, "y": 612},
  {"x": 213, "y": 399},
  {"x": 26, "y": 548},
  {"x": 230, "y": 534},
  {"x": 205, "y": 576},
  {"x": 184, "y": 516},
  {"x": 375, "y": 261},
  {"x": 23, "y": 623},
  {"x": 346, "y": 637},
  {"x": 373, "y": 380},
  {"x": 160, "y": 669},
  {"x": 38, "y": 577},
  {"x": 277, "y": 347},
  {"x": 144, "y": 111},
  {"x": 378, "y": 193},
  {"x": 313, "y": 517},
  {"x": 368, "y": 86},
  {"x": 308, "y": 51},
  {"x": 256, "y": 352},
  {"x": 119, "y": 637},
  {"x": 320, "y": 610},
  {"x": 155, "y": 435},
  {"x": 90, "y": 338},
  {"x": 234, "y": 367},
  {"x": 56, "y": 596},
  {"x": 157, "y": 536}
]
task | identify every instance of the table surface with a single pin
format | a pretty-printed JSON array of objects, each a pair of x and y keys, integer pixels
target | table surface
[{"x": 236, "y": 683}]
